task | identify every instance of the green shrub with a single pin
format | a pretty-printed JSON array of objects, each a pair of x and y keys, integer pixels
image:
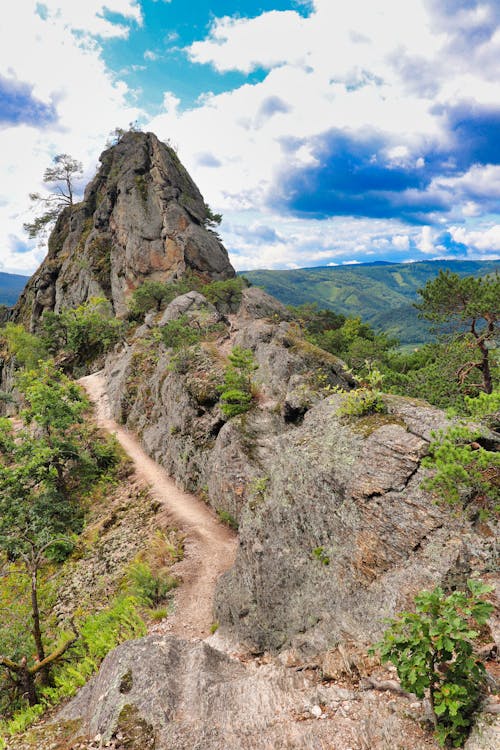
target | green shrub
[
  {"x": 148, "y": 587},
  {"x": 86, "y": 331},
  {"x": 463, "y": 468},
  {"x": 99, "y": 634},
  {"x": 367, "y": 399},
  {"x": 156, "y": 295},
  {"x": 319, "y": 553},
  {"x": 27, "y": 348},
  {"x": 236, "y": 392},
  {"x": 432, "y": 650},
  {"x": 225, "y": 295},
  {"x": 180, "y": 333},
  {"x": 228, "y": 519}
]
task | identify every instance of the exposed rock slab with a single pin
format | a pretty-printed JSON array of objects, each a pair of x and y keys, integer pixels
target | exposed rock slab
[{"x": 171, "y": 693}]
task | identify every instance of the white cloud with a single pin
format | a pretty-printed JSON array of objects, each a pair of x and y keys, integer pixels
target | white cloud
[
  {"x": 426, "y": 241},
  {"x": 89, "y": 16},
  {"x": 486, "y": 240},
  {"x": 66, "y": 72},
  {"x": 150, "y": 55},
  {"x": 336, "y": 69},
  {"x": 401, "y": 241}
]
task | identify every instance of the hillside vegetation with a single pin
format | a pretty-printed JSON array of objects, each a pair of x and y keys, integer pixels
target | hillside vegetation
[{"x": 381, "y": 293}]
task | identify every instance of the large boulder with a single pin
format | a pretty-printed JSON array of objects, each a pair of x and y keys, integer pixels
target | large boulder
[
  {"x": 162, "y": 692},
  {"x": 341, "y": 533}
]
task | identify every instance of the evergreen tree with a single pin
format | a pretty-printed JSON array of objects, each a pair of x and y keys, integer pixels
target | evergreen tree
[{"x": 467, "y": 308}]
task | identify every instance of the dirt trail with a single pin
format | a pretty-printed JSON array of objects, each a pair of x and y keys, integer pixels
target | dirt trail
[{"x": 210, "y": 547}]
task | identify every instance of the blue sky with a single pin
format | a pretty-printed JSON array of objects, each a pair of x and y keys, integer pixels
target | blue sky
[{"x": 325, "y": 132}]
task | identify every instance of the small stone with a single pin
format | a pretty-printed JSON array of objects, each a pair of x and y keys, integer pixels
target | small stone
[{"x": 316, "y": 711}]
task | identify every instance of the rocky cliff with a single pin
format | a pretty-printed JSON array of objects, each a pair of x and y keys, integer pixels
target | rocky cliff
[
  {"x": 142, "y": 218},
  {"x": 335, "y": 530}
]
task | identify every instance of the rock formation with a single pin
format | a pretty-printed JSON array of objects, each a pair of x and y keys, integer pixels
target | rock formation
[
  {"x": 142, "y": 218},
  {"x": 335, "y": 530}
]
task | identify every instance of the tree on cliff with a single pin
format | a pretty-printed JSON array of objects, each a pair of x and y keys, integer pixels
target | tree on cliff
[
  {"x": 467, "y": 309},
  {"x": 60, "y": 178}
]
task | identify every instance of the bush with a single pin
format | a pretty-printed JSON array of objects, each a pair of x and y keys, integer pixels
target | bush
[
  {"x": 156, "y": 295},
  {"x": 432, "y": 650},
  {"x": 236, "y": 392},
  {"x": 86, "y": 332},
  {"x": 27, "y": 348},
  {"x": 463, "y": 468},
  {"x": 180, "y": 333},
  {"x": 367, "y": 399},
  {"x": 148, "y": 587},
  {"x": 225, "y": 295}
]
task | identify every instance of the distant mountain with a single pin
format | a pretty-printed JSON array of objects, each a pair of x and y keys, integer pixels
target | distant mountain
[
  {"x": 381, "y": 293},
  {"x": 11, "y": 286}
]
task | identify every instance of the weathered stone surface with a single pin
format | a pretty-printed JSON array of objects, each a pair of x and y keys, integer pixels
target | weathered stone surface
[
  {"x": 142, "y": 218},
  {"x": 255, "y": 303},
  {"x": 485, "y": 735},
  {"x": 194, "y": 306},
  {"x": 164, "y": 692},
  {"x": 343, "y": 534},
  {"x": 336, "y": 532}
]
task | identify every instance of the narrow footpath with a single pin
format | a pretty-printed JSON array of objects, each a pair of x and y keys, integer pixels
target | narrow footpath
[{"x": 210, "y": 547}]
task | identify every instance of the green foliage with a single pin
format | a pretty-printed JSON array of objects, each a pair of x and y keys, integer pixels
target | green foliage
[
  {"x": 86, "y": 332},
  {"x": 320, "y": 554},
  {"x": 367, "y": 399},
  {"x": 382, "y": 293},
  {"x": 180, "y": 333},
  {"x": 148, "y": 587},
  {"x": 236, "y": 392},
  {"x": 470, "y": 309},
  {"x": 156, "y": 295},
  {"x": 211, "y": 220},
  {"x": 463, "y": 469},
  {"x": 428, "y": 372},
  {"x": 27, "y": 348},
  {"x": 225, "y": 295},
  {"x": 432, "y": 650},
  {"x": 99, "y": 634},
  {"x": 151, "y": 295},
  {"x": 45, "y": 468},
  {"x": 35, "y": 478},
  {"x": 228, "y": 519}
]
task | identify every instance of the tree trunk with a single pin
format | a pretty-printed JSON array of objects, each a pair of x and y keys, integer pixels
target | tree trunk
[
  {"x": 37, "y": 632},
  {"x": 27, "y": 684},
  {"x": 485, "y": 368}
]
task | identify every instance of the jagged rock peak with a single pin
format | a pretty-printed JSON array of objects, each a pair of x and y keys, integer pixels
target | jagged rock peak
[{"x": 142, "y": 218}]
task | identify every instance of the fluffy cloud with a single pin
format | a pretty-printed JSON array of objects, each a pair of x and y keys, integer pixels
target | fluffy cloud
[
  {"x": 485, "y": 240},
  {"x": 368, "y": 110},
  {"x": 59, "y": 98}
]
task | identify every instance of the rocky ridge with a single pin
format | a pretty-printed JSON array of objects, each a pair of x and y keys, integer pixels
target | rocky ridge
[{"x": 335, "y": 530}]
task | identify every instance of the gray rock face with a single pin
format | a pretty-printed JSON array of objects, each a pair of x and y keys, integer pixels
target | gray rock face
[
  {"x": 255, "y": 303},
  {"x": 335, "y": 530},
  {"x": 167, "y": 693},
  {"x": 194, "y": 306},
  {"x": 142, "y": 218}
]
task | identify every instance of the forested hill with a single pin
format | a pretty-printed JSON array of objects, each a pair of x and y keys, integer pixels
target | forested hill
[
  {"x": 381, "y": 293},
  {"x": 11, "y": 286}
]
